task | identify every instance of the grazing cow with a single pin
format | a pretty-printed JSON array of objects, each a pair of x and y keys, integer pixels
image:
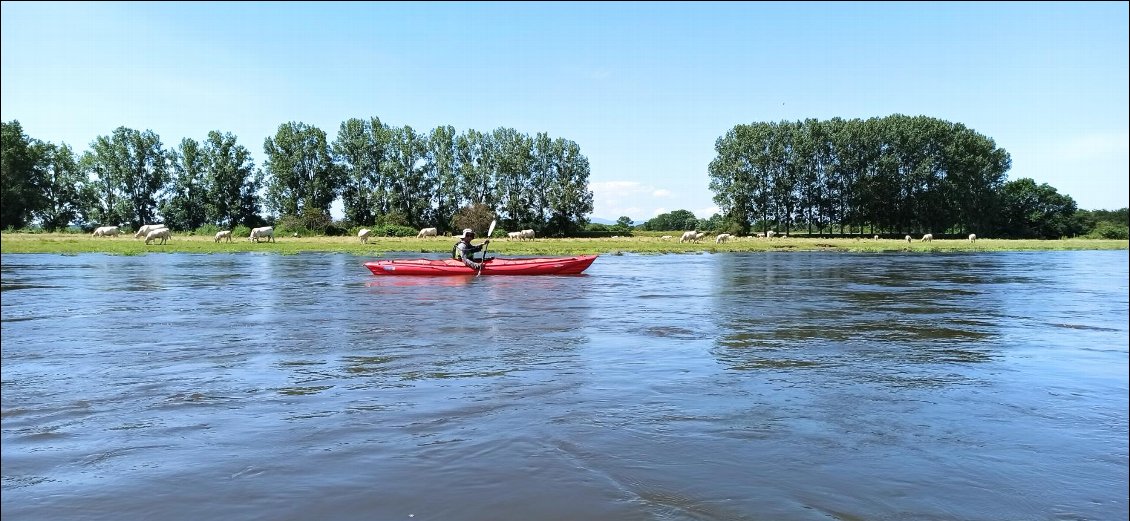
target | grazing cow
[
  {"x": 265, "y": 232},
  {"x": 928, "y": 237},
  {"x": 721, "y": 238},
  {"x": 427, "y": 232},
  {"x": 144, "y": 230},
  {"x": 514, "y": 235},
  {"x": 526, "y": 234},
  {"x": 908, "y": 239},
  {"x": 688, "y": 236},
  {"x": 223, "y": 235},
  {"x": 666, "y": 237},
  {"x": 770, "y": 234},
  {"x": 973, "y": 237},
  {"x": 876, "y": 237},
  {"x": 159, "y": 233},
  {"x": 364, "y": 234},
  {"x": 106, "y": 231}
]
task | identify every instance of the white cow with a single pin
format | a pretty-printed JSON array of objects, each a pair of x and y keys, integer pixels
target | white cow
[
  {"x": 159, "y": 233},
  {"x": 364, "y": 234},
  {"x": 514, "y": 235},
  {"x": 223, "y": 235},
  {"x": 106, "y": 231},
  {"x": 526, "y": 234},
  {"x": 688, "y": 236},
  {"x": 908, "y": 239},
  {"x": 144, "y": 230},
  {"x": 928, "y": 237},
  {"x": 973, "y": 237},
  {"x": 265, "y": 232},
  {"x": 666, "y": 237},
  {"x": 770, "y": 234},
  {"x": 721, "y": 238},
  {"x": 427, "y": 232}
]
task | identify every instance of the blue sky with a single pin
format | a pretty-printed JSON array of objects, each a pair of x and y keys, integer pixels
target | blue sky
[{"x": 645, "y": 88}]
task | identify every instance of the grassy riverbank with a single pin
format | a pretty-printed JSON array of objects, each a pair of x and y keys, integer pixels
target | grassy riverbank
[{"x": 64, "y": 243}]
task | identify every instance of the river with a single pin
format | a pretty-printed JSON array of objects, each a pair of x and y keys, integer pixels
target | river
[{"x": 767, "y": 386}]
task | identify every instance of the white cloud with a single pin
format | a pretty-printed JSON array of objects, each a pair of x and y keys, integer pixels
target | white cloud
[
  {"x": 706, "y": 213},
  {"x": 613, "y": 199},
  {"x": 618, "y": 188}
]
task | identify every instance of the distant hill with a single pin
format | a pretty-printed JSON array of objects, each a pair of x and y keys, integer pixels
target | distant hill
[{"x": 598, "y": 220}]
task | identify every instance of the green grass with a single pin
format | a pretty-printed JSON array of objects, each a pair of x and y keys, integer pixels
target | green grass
[{"x": 65, "y": 243}]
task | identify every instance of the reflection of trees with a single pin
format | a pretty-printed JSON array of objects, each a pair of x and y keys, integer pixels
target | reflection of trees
[
  {"x": 881, "y": 313},
  {"x": 434, "y": 328}
]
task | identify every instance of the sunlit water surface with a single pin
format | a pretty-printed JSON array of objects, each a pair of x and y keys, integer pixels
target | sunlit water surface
[{"x": 770, "y": 386}]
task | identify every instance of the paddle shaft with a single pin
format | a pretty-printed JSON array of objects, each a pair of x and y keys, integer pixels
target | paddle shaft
[{"x": 490, "y": 231}]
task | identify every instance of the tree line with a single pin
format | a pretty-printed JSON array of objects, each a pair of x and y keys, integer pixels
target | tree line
[
  {"x": 384, "y": 175},
  {"x": 889, "y": 175},
  {"x": 892, "y": 175}
]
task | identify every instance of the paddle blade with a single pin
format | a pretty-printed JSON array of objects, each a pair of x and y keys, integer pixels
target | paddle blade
[{"x": 490, "y": 231}]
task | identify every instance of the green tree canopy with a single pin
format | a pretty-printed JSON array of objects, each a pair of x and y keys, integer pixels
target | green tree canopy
[{"x": 301, "y": 174}]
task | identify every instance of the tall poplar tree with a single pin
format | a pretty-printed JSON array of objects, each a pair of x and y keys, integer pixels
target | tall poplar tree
[
  {"x": 185, "y": 209},
  {"x": 233, "y": 182},
  {"x": 20, "y": 177},
  {"x": 301, "y": 175},
  {"x": 131, "y": 174}
]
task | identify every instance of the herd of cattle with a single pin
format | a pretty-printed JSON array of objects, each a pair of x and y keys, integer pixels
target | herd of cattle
[
  {"x": 696, "y": 236},
  {"x": 158, "y": 232}
]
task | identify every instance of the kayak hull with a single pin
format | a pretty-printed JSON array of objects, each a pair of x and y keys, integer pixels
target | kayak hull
[{"x": 452, "y": 267}]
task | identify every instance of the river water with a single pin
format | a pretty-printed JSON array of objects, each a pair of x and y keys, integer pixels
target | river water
[{"x": 765, "y": 386}]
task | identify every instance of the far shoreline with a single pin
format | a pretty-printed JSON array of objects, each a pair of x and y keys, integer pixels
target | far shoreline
[{"x": 71, "y": 243}]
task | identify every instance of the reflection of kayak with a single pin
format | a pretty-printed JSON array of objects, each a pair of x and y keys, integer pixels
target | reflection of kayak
[{"x": 536, "y": 266}]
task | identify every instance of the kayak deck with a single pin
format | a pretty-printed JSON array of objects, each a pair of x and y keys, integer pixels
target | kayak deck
[{"x": 448, "y": 267}]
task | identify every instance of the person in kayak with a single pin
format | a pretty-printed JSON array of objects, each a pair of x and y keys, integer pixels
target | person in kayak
[{"x": 466, "y": 251}]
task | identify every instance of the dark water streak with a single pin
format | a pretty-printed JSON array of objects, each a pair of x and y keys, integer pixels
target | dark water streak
[{"x": 780, "y": 386}]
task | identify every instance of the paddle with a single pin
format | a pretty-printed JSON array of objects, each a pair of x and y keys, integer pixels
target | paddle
[{"x": 490, "y": 231}]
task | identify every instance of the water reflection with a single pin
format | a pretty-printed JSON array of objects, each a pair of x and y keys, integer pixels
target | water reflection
[{"x": 787, "y": 311}]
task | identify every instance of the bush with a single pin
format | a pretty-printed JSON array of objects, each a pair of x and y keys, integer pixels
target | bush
[
  {"x": 1109, "y": 230},
  {"x": 394, "y": 230},
  {"x": 207, "y": 230},
  {"x": 339, "y": 228},
  {"x": 312, "y": 223}
]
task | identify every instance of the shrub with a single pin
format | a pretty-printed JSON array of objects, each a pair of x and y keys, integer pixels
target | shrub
[
  {"x": 340, "y": 228},
  {"x": 394, "y": 230},
  {"x": 310, "y": 223},
  {"x": 206, "y": 230},
  {"x": 1109, "y": 230}
]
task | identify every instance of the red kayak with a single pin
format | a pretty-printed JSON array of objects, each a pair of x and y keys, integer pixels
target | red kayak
[{"x": 447, "y": 267}]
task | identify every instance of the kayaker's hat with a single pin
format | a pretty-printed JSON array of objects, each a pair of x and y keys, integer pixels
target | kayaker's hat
[{"x": 466, "y": 232}]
